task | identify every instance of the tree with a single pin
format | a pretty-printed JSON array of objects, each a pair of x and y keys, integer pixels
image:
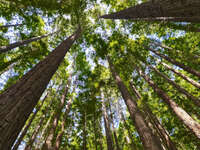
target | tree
[
  {"x": 186, "y": 68},
  {"x": 4, "y": 49},
  {"x": 14, "y": 99},
  {"x": 193, "y": 125},
  {"x": 164, "y": 135},
  {"x": 136, "y": 116},
  {"x": 109, "y": 139},
  {"x": 19, "y": 140},
  {"x": 10, "y": 25},
  {"x": 196, "y": 84},
  {"x": 178, "y": 11},
  {"x": 56, "y": 117}
]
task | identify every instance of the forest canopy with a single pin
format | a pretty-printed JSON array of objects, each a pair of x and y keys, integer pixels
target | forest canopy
[{"x": 99, "y": 74}]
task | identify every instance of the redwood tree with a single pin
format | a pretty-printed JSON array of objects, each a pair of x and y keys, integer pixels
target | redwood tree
[{"x": 19, "y": 100}]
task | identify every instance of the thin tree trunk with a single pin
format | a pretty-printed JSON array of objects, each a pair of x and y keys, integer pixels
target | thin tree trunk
[
  {"x": 19, "y": 100},
  {"x": 196, "y": 84},
  {"x": 157, "y": 8},
  {"x": 171, "y": 49},
  {"x": 110, "y": 145},
  {"x": 35, "y": 133},
  {"x": 181, "y": 114},
  {"x": 63, "y": 125},
  {"x": 149, "y": 141},
  {"x": 10, "y": 25},
  {"x": 113, "y": 128},
  {"x": 164, "y": 135},
  {"x": 180, "y": 89},
  {"x": 186, "y": 68},
  {"x": 27, "y": 126},
  {"x": 7, "y": 48},
  {"x": 48, "y": 145}
]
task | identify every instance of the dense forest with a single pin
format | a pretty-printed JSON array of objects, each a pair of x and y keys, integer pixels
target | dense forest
[{"x": 99, "y": 75}]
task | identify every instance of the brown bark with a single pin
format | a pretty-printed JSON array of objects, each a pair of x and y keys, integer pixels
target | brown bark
[
  {"x": 35, "y": 133},
  {"x": 157, "y": 9},
  {"x": 48, "y": 145},
  {"x": 10, "y": 25},
  {"x": 19, "y": 100},
  {"x": 110, "y": 145},
  {"x": 196, "y": 84},
  {"x": 19, "y": 140},
  {"x": 11, "y": 46},
  {"x": 164, "y": 135},
  {"x": 63, "y": 126},
  {"x": 180, "y": 89},
  {"x": 149, "y": 141},
  {"x": 180, "y": 113},
  {"x": 186, "y": 68}
]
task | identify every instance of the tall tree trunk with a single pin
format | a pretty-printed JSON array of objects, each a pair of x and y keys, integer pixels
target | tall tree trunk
[
  {"x": 160, "y": 8},
  {"x": 48, "y": 145},
  {"x": 164, "y": 135},
  {"x": 196, "y": 84},
  {"x": 10, "y": 25},
  {"x": 149, "y": 141},
  {"x": 19, "y": 140},
  {"x": 63, "y": 125},
  {"x": 35, "y": 133},
  {"x": 7, "y": 48},
  {"x": 19, "y": 100},
  {"x": 181, "y": 114},
  {"x": 113, "y": 129},
  {"x": 110, "y": 143},
  {"x": 180, "y": 89},
  {"x": 186, "y": 68}
]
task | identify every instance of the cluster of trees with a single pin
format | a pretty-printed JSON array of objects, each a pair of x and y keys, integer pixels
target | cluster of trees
[{"x": 73, "y": 78}]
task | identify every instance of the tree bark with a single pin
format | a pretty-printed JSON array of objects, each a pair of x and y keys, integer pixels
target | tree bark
[
  {"x": 7, "y": 48},
  {"x": 10, "y": 25},
  {"x": 186, "y": 68},
  {"x": 180, "y": 113},
  {"x": 48, "y": 145},
  {"x": 19, "y": 100},
  {"x": 149, "y": 141},
  {"x": 110, "y": 143},
  {"x": 180, "y": 89},
  {"x": 157, "y": 9},
  {"x": 35, "y": 133},
  {"x": 164, "y": 135},
  {"x": 196, "y": 84},
  {"x": 27, "y": 126}
]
